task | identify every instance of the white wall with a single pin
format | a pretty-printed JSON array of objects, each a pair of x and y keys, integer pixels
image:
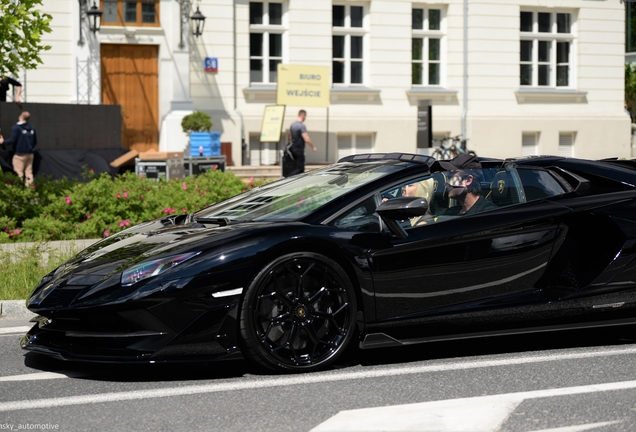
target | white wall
[{"x": 496, "y": 114}]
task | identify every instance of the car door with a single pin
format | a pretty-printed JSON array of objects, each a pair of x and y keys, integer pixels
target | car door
[{"x": 471, "y": 262}]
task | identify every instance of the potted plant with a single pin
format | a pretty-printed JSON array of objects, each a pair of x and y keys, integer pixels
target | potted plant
[{"x": 202, "y": 141}]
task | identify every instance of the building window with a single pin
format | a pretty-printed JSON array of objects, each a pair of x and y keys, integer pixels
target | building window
[
  {"x": 566, "y": 144},
  {"x": 529, "y": 141},
  {"x": 130, "y": 13},
  {"x": 630, "y": 27},
  {"x": 355, "y": 143},
  {"x": 426, "y": 46},
  {"x": 348, "y": 43},
  {"x": 262, "y": 153},
  {"x": 266, "y": 41},
  {"x": 546, "y": 49}
]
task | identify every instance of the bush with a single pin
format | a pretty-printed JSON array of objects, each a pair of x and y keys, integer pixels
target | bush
[
  {"x": 69, "y": 210},
  {"x": 196, "y": 122}
]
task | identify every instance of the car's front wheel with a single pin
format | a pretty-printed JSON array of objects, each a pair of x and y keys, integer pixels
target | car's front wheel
[{"x": 298, "y": 314}]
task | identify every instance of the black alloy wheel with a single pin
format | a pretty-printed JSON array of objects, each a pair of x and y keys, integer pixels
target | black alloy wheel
[{"x": 298, "y": 315}]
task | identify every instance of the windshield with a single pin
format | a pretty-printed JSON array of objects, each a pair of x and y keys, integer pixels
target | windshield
[{"x": 298, "y": 196}]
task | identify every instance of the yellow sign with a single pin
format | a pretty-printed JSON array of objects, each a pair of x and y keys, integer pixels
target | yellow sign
[
  {"x": 272, "y": 123},
  {"x": 303, "y": 86}
]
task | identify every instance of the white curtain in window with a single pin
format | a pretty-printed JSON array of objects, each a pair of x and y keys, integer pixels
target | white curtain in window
[
  {"x": 529, "y": 144},
  {"x": 566, "y": 144}
]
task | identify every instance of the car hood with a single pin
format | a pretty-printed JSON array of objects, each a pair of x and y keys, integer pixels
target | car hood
[{"x": 99, "y": 266}]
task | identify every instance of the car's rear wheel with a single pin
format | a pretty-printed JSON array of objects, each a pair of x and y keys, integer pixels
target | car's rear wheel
[{"x": 298, "y": 314}]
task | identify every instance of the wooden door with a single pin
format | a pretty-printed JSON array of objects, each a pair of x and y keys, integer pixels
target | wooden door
[{"x": 129, "y": 79}]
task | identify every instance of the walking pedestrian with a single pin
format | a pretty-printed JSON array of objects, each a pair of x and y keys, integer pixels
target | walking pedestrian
[
  {"x": 299, "y": 138},
  {"x": 4, "y": 87},
  {"x": 24, "y": 139}
]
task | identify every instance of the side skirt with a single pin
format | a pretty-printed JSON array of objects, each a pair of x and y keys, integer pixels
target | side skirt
[{"x": 382, "y": 340}]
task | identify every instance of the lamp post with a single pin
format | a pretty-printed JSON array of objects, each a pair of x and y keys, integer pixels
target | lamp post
[
  {"x": 198, "y": 19},
  {"x": 94, "y": 15}
]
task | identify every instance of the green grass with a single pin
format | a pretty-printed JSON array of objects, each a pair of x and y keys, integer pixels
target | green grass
[{"x": 23, "y": 268}]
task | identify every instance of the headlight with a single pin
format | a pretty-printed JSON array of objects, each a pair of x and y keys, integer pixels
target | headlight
[{"x": 153, "y": 268}]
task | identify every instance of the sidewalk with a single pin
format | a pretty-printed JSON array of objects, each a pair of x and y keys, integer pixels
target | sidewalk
[{"x": 13, "y": 309}]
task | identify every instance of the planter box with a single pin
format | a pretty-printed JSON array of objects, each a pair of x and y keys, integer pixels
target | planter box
[{"x": 205, "y": 144}]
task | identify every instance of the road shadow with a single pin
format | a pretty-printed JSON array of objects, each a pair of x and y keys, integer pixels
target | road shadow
[
  {"x": 353, "y": 358},
  {"x": 495, "y": 345},
  {"x": 139, "y": 372}
]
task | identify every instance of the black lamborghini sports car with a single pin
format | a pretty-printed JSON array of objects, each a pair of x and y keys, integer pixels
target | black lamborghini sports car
[{"x": 376, "y": 250}]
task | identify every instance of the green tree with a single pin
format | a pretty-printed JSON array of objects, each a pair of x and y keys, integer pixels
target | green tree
[
  {"x": 21, "y": 30},
  {"x": 630, "y": 86}
]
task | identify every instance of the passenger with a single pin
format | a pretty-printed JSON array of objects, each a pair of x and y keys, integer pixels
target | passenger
[{"x": 423, "y": 189}]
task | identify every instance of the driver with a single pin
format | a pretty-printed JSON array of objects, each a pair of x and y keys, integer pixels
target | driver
[{"x": 464, "y": 185}]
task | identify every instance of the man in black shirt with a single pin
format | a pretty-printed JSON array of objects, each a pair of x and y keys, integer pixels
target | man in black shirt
[
  {"x": 4, "y": 87},
  {"x": 299, "y": 138}
]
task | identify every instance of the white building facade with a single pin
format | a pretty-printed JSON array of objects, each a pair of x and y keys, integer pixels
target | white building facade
[{"x": 516, "y": 77}]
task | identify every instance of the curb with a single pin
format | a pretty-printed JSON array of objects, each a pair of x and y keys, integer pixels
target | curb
[{"x": 14, "y": 309}]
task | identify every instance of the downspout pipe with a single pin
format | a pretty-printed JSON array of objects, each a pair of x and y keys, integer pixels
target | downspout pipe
[{"x": 465, "y": 91}]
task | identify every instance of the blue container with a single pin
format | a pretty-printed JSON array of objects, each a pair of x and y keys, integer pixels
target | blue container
[{"x": 205, "y": 144}]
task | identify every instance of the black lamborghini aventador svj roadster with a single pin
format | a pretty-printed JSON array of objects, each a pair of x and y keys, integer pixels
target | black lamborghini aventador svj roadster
[{"x": 376, "y": 250}]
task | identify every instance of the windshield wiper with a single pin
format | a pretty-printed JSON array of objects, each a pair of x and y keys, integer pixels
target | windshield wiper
[{"x": 221, "y": 221}]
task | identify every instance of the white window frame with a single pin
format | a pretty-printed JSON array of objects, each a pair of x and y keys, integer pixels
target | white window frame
[
  {"x": 553, "y": 38},
  {"x": 426, "y": 34},
  {"x": 347, "y": 31},
  {"x": 266, "y": 30}
]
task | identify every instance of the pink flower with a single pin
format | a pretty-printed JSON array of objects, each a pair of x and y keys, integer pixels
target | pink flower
[
  {"x": 141, "y": 197},
  {"x": 184, "y": 210},
  {"x": 121, "y": 223},
  {"x": 169, "y": 210},
  {"x": 69, "y": 201},
  {"x": 124, "y": 223},
  {"x": 92, "y": 171},
  {"x": 118, "y": 196},
  {"x": 88, "y": 216},
  {"x": 125, "y": 194},
  {"x": 184, "y": 186},
  {"x": 106, "y": 233}
]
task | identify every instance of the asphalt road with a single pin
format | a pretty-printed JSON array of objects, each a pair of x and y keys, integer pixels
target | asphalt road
[{"x": 569, "y": 381}]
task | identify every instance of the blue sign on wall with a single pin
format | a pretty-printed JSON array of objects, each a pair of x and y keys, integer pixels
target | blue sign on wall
[{"x": 211, "y": 64}]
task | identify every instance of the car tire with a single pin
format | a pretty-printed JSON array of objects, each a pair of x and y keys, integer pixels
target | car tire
[{"x": 298, "y": 314}]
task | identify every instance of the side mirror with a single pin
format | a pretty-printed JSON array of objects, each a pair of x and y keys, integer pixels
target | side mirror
[{"x": 397, "y": 209}]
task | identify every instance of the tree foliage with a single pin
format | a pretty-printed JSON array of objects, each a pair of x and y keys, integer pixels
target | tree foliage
[
  {"x": 21, "y": 28},
  {"x": 630, "y": 86}
]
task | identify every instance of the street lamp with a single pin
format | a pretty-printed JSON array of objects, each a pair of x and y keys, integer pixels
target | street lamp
[
  {"x": 198, "y": 21},
  {"x": 94, "y": 15}
]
